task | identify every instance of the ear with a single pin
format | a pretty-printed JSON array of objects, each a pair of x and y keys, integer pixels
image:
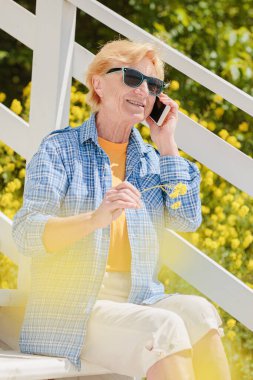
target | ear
[{"x": 97, "y": 85}]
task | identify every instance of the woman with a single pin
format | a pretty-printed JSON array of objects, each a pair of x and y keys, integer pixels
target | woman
[{"x": 93, "y": 234}]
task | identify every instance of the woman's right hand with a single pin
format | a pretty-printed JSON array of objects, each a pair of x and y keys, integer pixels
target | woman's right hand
[{"x": 122, "y": 196}]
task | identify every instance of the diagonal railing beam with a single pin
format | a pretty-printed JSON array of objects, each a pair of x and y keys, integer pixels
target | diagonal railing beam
[{"x": 208, "y": 277}]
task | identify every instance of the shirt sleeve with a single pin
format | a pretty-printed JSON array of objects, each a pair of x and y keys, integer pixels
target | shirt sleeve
[
  {"x": 175, "y": 169},
  {"x": 45, "y": 187}
]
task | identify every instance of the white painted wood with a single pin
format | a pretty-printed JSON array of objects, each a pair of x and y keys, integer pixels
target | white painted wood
[
  {"x": 81, "y": 59},
  {"x": 208, "y": 277},
  {"x": 12, "y": 297},
  {"x": 18, "y": 22},
  {"x": 52, "y": 68},
  {"x": 215, "y": 153},
  {"x": 14, "y": 131},
  {"x": 15, "y": 365},
  {"x": 173, "y": 57},
  {"x": 7, "y": 245}
]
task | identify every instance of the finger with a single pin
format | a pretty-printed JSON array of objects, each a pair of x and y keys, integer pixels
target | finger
[
  {"x": 167, "y": 100},
  {"x": 126, "y": 184},
  {"x": 121, "y": 204},
  {"x": 130, "y": 193},
  {"x": 123, "y": 197}
]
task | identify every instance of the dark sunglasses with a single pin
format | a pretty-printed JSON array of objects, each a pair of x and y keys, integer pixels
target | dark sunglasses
[{"x": 134, "y": 78}]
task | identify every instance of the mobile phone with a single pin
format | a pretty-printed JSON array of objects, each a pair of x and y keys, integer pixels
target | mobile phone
[{"x": 159, "y": 112}]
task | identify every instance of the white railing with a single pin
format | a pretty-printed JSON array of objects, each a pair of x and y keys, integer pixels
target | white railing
[{"x": 56, "y": 59}]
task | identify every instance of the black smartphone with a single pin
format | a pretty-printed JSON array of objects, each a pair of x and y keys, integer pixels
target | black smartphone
[{"x": 159, "y": 112}]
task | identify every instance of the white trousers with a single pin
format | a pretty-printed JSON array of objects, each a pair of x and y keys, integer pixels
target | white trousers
[{"x": 128, "y": 339}]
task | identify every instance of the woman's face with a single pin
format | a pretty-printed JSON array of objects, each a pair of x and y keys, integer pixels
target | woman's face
[{"x": 128, "y": 104}]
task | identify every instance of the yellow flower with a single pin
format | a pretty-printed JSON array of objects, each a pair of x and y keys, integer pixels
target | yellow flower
[
  {"x": 235, "y": 243},
  {"x": 250, "y": 265},
  {"x": 221, "y": 216},
  {"x": 232, "y": 190},
  {"x": 233, "y": 256},
  {"x": 10, "y": 167},
  {"x": 184, "y": 111},
  {"x": 27, "y": 90},
  {"x": 195, "y": 237},
  {"x": 223, "y": 134},
  {"x": 228, "y": 198},
  {"x": 217, "y": 98},
  {"x": 17, "y": 183},
  {"x": 232, "y": 220},
  {"x": 218, "y": 209},
  {"x": 214, "y": 218},
  {"x": 244, "y": 195},
  {"x": 177, "y": 101},
  {"x": 203, "y": 123},
  {"x": 16, "y": 106},
  {"x": 179, "y": 189},
  {"x": 205, "y": 209},
  {"x": 77, "y": 112},
  {"x": 2, "y": 97},
  {"x": 247, "y": 241},
  {"x": 145, "y": 132},
  {"x": 208, "y": 181},
  {"x": 73, "y": 89},
  {"x": 231, "y": 323},
  {"x": 231, "y": 335},
  {"x": 222, "y": 240},
  {"x": 218, "y": 193},
  {"x": 238, "y": 263},
  {"x": 232, "y": 140},
  {"x": 243, "y": 211},
  {"x": 211, "y": 126},
  {"x": 235, "y": 206},
  {"x": 21, "y": 173},
  {"x": 176, "y": 205},
  {"x": 219, "y": 112},
  {"x": 243, "y": 127},
  {"x": 6, "y": 200},
  {"x": 174, "y": 85},
  {"x": 232, "y": 231},
  {"x": 208, "y": 232},
  {"x": 194, "y": 117}
]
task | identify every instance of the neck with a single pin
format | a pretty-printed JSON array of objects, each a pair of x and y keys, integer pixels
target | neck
[{"x": 111, "y": 128}]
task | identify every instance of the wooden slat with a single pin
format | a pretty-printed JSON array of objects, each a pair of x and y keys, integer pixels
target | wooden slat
[
  {"x": 52, "y": 68},
  {"x": 18, "y": 22},
  {"x": 14, "y": 131},
  {"x": 7, "y": 245},
  {"x": 208, "y": 277}
]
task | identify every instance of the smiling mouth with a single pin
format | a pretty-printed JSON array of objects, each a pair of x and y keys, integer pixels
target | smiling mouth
[{"x": 135, "y": 103}]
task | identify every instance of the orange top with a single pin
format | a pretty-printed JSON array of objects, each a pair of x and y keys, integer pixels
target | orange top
[{"x": 119, "y": 258}]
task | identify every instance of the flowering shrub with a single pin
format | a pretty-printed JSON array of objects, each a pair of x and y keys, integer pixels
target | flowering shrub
[{"x": 225, "y": 234}]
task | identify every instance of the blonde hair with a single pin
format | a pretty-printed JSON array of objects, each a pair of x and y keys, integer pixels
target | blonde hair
[{"x": 124, "y": 51}]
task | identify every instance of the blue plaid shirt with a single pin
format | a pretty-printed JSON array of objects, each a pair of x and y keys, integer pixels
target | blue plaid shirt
[{"x": 69, "y": 175}]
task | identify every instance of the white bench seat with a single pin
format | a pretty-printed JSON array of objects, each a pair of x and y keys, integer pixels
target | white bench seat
[{"x": 15, "y": 365}]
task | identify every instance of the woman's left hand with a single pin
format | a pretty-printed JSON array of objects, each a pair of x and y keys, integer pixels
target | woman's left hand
[{"x": 165, "y": 133}]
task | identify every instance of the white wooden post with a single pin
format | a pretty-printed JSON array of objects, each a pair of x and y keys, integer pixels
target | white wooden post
[{"x": 52, "y": 68}]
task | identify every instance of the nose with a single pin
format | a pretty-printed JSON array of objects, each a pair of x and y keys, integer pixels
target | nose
[{"x": 143, "y": 88}]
